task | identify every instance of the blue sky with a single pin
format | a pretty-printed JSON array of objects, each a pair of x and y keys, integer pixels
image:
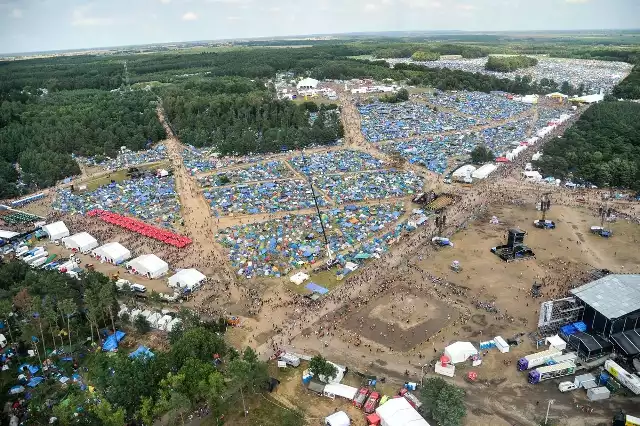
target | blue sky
[{"x": 35, "y": 25}]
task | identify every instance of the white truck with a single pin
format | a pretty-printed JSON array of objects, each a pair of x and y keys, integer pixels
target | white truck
[
  {"x": 567, "y": 386},
  {"x": 539, "y": 358},
  {"x": 623, "y": 376}
]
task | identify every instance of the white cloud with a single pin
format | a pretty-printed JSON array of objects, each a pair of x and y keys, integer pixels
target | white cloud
[
  {"x": 423, "y": 4},
  {"x": 80, "y": 18},
  {"x": 370, "y": 7},
  {"x": 16, "y": 13},
  {"x": 165, "y": 1},
  {"x": 465, "y": 7},
  {"x": 189, "y": 16},
  {"x": 230, "y": 1},
  {"x": 233, "y": 18},
  {"x": 577, "y": 1}
]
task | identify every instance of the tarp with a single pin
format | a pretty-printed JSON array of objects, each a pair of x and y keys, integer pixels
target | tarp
[
  {"x": 398, "y": 412},
  {"x": 142, "y": 352},
  {"x": 316, "y": 288},
  {"x": 33, "y": 369},
  {"x": 111, "y": 342},
  {"x": 35, "y": 381}
]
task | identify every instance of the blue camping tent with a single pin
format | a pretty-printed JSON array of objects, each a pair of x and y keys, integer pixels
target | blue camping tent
[
  {"x": 32, "y": 368},
  {"x": 111, "y": 342},
  {"x": 35, "y": 381}
]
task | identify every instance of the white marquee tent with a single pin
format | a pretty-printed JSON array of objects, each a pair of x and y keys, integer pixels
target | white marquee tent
[
  {"x": 460, "y": 351},
  {"x": 307, "y": 83},
  {"x": 113, "y": 252},
  {"x": 337, "y": 419},
  {"x": 187, "y": 278},
  {"x": 398, "y": 412},
  {"x": 148, "y": 265},
  {"x": 56, "y": 230},
  {"x": 7, "y": 234},
  {"x": 82, "y": 242}
]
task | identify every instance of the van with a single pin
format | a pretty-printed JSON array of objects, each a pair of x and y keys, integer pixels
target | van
[
  {"x": 139, "y": 288},
  {"x": 567, "y": 386},
  {"x": 290, "y": 359}
]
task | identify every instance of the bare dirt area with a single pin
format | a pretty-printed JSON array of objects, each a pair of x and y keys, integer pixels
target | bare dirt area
[{"x": 400, "y": 320}]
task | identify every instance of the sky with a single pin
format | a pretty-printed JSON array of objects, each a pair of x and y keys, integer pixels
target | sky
[{"x": 41, "y": 25}]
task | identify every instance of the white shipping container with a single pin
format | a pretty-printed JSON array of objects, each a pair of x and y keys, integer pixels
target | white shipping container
[{"x": 597, "y": 394}]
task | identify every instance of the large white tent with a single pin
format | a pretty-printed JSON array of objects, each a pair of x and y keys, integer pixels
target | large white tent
[
  {"x": 56, "y": 230},
  {"x": 148, "y": 265},
  {"x": 187, "y": 278},
  {"x": 398, "y": 412},
  {"x": 460, "y": 351},
  {"x": 113, "y": 252},
  {"x": 338, "y": 419},
  {"x": 82, "y": 242},
  {"x": 7, "y": 234}
]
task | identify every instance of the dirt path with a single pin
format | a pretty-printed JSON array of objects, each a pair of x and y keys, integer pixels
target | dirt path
[{"x": 198, "y": 222}]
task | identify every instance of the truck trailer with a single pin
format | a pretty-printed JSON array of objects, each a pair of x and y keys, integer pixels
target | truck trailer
[
  {"x": 628, "y": 380},
  {"x": 541, "y": 374},
  {"x": 539, "y": 358},
  {"x": 571, "y": 356}
]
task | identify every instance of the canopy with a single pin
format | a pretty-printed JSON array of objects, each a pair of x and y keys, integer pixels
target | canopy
[
  {"x": 460, "y": 351},
  {"x": 56, "y": 230},
  {"x": 111, "y": 342},
  {"x": 187, "y": 278},
  {"x": 142, "y": 228},
  {"x": 148, "y": 264},
  {"x": 82, "y": 242},
  {"x": 112, "y": 252},
  {"x": 398, "y": 412},
  {"x": 173, "y": 323},
  {"x": 299, "y": 278},
  {"x": 338, "y": 419}
]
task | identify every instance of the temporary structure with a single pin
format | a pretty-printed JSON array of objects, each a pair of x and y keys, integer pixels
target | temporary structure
[
  {"x": 153, "y": 319},
  {"x": 7, "y": 234},
  {"x": 113, "y": 252},
  {"x": 337, "y": 419},
  {"x": 398, "y": 412},
  {"x": 164, "y": 321},
  {"x": 56, "y": 230},
  {"x": 484, "y": 171},
  {"x": 148, "y": 265},
  {"x": 336, "y": 389},
  {"x": 174, "y": 323},
  {"x": 187, "y": 278},
  {"x": 299, "y": 278},
  {"x": 460, "y": 351},
  {"x": 82, "y": 242}
]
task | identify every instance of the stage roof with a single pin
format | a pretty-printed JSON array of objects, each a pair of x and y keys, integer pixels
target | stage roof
[{"x": 613, "y": 296}]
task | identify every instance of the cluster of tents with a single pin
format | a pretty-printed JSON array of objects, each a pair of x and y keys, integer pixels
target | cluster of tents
[{"x": 142, "y": 228}]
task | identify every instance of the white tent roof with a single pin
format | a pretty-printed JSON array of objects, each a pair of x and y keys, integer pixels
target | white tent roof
[
  {"x": 398, "y": 412},
  {"x": 484, "y": 171},
  {"x": 338, "y": 389},
  {"x": 173, "y": 323},
  {"x": 299, "y": 278},
  {"x": 7, "y": 234},
  {"x": 81, "y": 241},
  {"x": 56, "y": 230},
  {"x": 153, "y": 319},
  {"x": 460, "y": 351},
  {"x": 338, "y": 419},
  {"x": 162, "y": 322},
  {"x": 114, "y": 251},
  {"x": 149, "y": 264},
  {"x": 188, "y": 278},
  {"x": 464, "y": 171},
  {"x": 312, "y": 82}
]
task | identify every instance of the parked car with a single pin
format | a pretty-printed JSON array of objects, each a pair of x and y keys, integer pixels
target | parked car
[{"x": 567, "y": 386}]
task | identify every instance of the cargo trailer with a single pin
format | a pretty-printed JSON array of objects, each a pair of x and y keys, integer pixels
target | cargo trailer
[
  {"x": 539, "y": 358},
  {"x": 628, "y": 380},
  {"x": 548, "y": 372},
  {"x": 571, "y": 356}
]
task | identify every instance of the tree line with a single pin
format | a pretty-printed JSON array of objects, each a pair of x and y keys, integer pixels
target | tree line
[
  {"x": 47, "y": 311},
  {"x": 39, "y": 134},
  {"x": 509, "y": 63},
  {"x": 602, "y": 147},
  {"x": 246, "y": 119}
]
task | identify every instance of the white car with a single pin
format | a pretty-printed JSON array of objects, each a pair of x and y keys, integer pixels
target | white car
[{"x": 567, "y": 386}]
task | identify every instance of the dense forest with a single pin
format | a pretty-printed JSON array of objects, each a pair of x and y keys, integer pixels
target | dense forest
[
  {"x": 602, "y": 147},
  {"x": 41, "y": 132},
  {"x": 509, "y": 63},
  {"x": 240, "y": 117},
  {"x": 51, "y": 311},
  {"x": 629, "y": 88}
]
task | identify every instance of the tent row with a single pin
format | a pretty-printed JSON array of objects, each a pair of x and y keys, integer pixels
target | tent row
[
  {"x": 156, "y": 319},
  {"x": 141, "y": 228}
]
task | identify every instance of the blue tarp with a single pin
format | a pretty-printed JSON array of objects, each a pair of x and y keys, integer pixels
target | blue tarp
[
  {"x": 111, "y": 342},
  {"x": 32, "y": 368},
  {"x": 35, "y": 381},
  {"x": 316, "y": 288},
  {"x": 141, "y": 352},
  {"x": 16, "y": 390}
]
